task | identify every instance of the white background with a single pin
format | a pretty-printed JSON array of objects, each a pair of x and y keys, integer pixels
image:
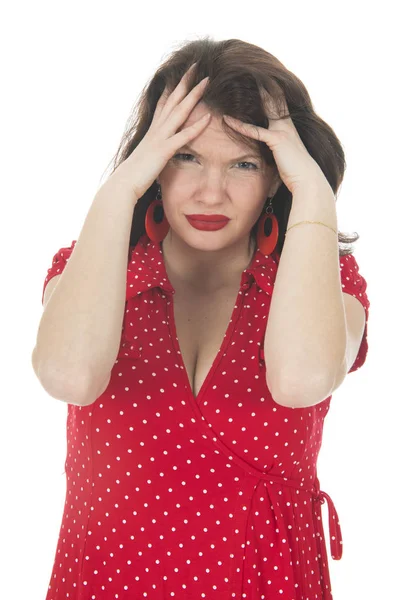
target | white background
[{"x": 71, "y": 73}]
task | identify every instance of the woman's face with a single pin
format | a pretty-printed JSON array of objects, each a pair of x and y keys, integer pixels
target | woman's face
[{"x": 215, "y": 177}]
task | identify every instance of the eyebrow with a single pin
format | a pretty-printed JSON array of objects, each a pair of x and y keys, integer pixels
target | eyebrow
[{"x": 251, "y": 155}]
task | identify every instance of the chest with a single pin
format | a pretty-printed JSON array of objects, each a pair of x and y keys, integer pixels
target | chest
[{"x": 201, "y": 323}]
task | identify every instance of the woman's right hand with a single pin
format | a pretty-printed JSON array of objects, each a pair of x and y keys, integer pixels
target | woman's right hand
[{"x": 161, "y": 141}]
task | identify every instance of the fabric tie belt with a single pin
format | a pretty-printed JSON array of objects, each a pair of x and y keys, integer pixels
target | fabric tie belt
[
  {"x": 319, "y": 497},
  {"x": 335, "y": 533}
]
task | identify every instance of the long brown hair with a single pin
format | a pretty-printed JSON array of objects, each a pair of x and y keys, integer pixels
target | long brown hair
[{"x": 237, "y": 69}]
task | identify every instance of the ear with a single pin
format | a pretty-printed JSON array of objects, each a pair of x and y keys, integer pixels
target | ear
[{"x": 275, "y": 186}]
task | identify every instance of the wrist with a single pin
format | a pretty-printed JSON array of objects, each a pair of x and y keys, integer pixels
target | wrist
[
  {"x": 117, "y": 185},
  {"x": 314, "y": 201},
  {"x": 318, "y": 184}
]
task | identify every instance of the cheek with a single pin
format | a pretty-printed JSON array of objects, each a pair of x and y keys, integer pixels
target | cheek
[{"x": 178, "y": 181}]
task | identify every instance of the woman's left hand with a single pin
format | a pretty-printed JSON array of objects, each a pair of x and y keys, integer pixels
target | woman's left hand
[{"x": 296, "y": 166}]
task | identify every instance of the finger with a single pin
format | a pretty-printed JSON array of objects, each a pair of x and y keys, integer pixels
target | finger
[
  {"x": 275, "y": 108},
  {"x": 179, "y": 92},
  {"x": 270, "y": 138},
  {"x": 257, "y": 133},
  {"x": 179, "y": 114},
  {"x": 269, "y": 104},
  {"x": 162, "y": 101},
  {"x": 278, "y": 111},
  {"x": 188, "y": 103},
  {"x": 183, "y": 137}
]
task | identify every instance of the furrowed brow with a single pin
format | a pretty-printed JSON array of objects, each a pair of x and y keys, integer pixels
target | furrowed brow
[{"x": 238, "y": 158}]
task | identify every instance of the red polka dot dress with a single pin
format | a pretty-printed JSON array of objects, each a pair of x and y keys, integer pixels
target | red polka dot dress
[{"x": 175, "y": 496}]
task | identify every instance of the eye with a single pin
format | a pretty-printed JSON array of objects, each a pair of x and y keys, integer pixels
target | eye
[
  {"x": 248, "y": 163},
  {"x": 177, "y": 157}
]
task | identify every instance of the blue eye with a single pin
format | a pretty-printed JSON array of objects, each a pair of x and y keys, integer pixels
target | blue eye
[
  {"x": 191, "y": 155},
  {"x": 248, "y": 163},
  {"x": 176, "y": 155}
]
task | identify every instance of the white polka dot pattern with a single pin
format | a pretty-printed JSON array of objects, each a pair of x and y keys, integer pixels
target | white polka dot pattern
[
  {"x": 175, "y": 496},
  {"x": 354, "y": 283}
]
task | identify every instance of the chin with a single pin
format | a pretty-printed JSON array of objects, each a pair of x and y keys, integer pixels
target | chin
[{"x": 203, "y": 240}]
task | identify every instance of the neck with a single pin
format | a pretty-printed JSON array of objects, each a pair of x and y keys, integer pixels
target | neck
[{"x": 205, "y": 270}]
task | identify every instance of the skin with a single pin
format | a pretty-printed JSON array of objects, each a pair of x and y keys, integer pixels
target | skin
[{"x": 215, "y": 183}]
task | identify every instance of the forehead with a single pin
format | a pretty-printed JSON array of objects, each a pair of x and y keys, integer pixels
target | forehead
[{"x": 214, "y": 132}]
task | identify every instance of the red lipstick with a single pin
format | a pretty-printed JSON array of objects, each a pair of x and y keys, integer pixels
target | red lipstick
[
  {"x": 208, "y": 222},
  {"x": 208, "y": 218}
]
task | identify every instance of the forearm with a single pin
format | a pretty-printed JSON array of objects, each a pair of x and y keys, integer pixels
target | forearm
[
  {"x": 305, "y": 340},
  {"x": 80, "y": 329}
]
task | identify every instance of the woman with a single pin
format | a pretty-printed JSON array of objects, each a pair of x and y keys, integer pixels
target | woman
[{"x": 193, "y": 437}]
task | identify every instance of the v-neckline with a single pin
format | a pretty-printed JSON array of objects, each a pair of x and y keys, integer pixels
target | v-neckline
[
  {"x": 243, "y": 285},
  {"x": 225, "y": 341}
]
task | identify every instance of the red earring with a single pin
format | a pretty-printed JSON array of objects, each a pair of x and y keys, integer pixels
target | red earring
[
  {"x": 155, "y": 222},
  {"x": 267, "y": 231}
]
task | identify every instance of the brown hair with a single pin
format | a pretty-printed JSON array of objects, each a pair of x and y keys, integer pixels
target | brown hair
[{"x": 237, "y": 69}]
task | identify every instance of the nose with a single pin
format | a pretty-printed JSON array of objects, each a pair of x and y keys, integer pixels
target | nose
[{"x": 212, "y": 187}]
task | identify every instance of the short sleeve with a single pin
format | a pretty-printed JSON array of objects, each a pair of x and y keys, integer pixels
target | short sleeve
[
  {"x": 60, "y": 259},
  {"x": 354, "y": 283}
]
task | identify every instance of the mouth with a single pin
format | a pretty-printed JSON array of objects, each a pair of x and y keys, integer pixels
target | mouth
[
  {"x": 207, "y": 225},
  {"x": 208, "y": 218}
]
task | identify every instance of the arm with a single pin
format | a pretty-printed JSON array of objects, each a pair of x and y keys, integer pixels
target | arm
[
  {"x": 80, "y": 330},
  {"x": 305, "y": 339}
]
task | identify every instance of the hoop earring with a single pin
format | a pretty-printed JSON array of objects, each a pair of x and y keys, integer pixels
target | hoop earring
[
  {"x": 155, "y": 222},
  {"x": 267, "y": 231}
]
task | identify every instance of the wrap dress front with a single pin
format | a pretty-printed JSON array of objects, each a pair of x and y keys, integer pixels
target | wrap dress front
[{"x": 169, "y": 495}]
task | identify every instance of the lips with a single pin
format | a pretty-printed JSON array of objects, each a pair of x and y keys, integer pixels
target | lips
[
  {"x": 208, "y": 225},
  {"x": 208, "y": 218}
]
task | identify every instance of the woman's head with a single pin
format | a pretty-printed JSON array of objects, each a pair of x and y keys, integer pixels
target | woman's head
[
  {"x": 237, "y": 70},
  {"x": 215, "y": 174}
]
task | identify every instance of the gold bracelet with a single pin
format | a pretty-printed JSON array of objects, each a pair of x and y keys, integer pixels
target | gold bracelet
[{"x": 317, "y": 222}]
